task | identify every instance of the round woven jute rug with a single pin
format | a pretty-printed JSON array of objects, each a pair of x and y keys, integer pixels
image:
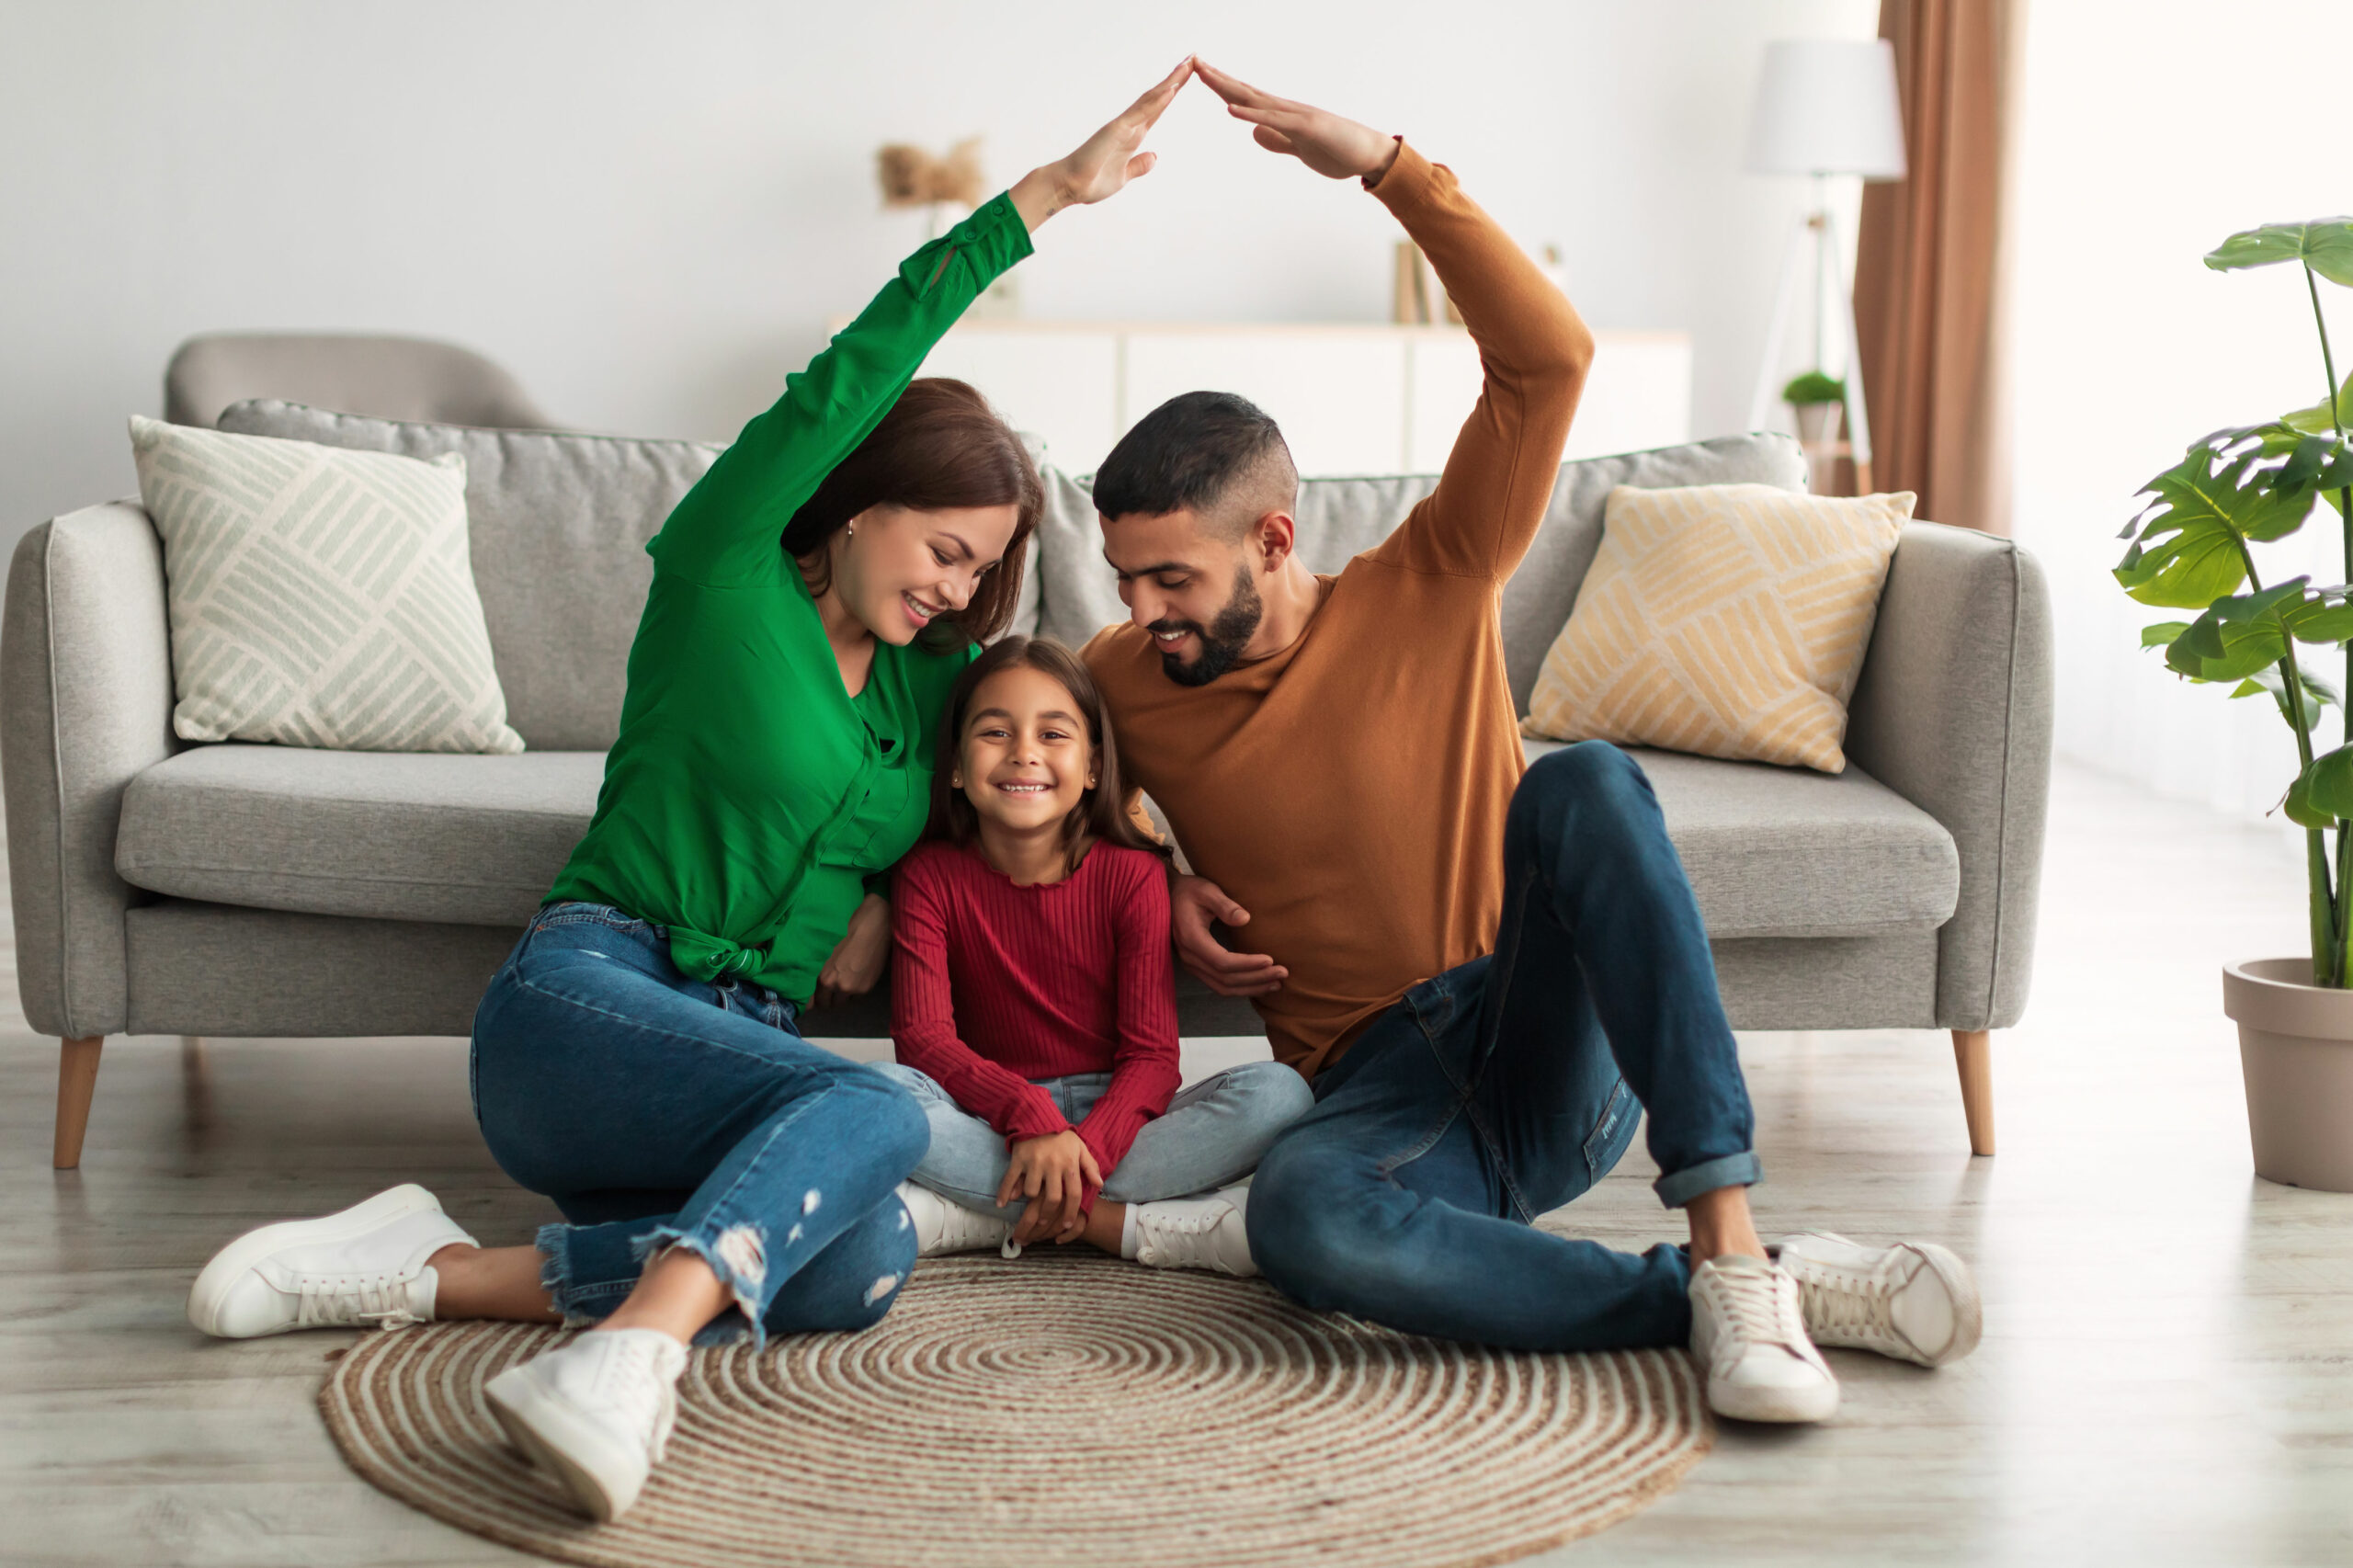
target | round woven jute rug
[{"x": 1062, "y": 1409}]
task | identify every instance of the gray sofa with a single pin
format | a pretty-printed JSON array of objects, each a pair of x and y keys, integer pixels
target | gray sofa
[{"x": 163, "y": 887}]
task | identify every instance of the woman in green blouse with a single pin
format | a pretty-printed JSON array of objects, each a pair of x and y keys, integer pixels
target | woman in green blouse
[{"x": 636, "y": 1058}]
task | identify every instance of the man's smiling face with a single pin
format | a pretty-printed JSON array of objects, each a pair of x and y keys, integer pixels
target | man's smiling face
[{"x": 1187, "y": 588}]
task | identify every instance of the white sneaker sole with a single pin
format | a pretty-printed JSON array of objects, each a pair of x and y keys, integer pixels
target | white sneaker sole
[
  {"x": 208, "y": 1295},
  {"x": 601, "y": 1476},
  {"x": 1742, "y": 1403}
]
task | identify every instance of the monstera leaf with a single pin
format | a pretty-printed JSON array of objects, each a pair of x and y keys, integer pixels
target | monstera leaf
[
  {"x": 2316, "y": 420},
  {"x": 2193, "y": 533},
  {"x": 2324, "y": 244},
  {"x": 2236, "y": 636},
  {"x": 2323, "y": 793},
  {"x": 2316, "y": 692}
]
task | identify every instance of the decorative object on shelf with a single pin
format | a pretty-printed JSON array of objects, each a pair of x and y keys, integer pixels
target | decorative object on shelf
[
  {"x": 1817, "y": 400},
  {"x": 2193, "y": 549},
  {"x": 1824, "y": 107},
  {"x": 912, "y": 177},
  {"x": 946, "y": 186},
  {"x": 1420, "y": 299}
]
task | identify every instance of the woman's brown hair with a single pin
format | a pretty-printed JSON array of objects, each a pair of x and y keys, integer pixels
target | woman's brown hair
[
  {"x": 941, "y": 446},
  {"x": 1101, "y": 812}
]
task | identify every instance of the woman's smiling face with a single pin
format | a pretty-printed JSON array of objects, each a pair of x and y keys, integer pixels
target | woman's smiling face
[
  {"x": 898, "y": 569},
  {"x": 1024, "y": 760}
]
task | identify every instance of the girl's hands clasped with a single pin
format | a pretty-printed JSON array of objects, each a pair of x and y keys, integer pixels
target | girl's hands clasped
[
  {"x": 1105, "y": 163},
  {"x": 1053, "y": 1173}
]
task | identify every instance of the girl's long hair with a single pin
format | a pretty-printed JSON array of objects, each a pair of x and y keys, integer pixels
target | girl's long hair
[
  {"x": 941, "y": 447},
  {"x": 1100, "y": 811}
]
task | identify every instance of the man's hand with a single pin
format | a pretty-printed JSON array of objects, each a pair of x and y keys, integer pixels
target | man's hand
[
  {"x": 1053, "y": 1173},
  {"x": 1333, "y": 147},
  {"x": 1193, "y": 902},
  {"x": 1105, "y": 163},
  {"x": 857, "y": 959}
]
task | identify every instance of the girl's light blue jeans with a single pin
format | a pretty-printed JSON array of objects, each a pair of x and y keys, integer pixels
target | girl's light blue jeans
[{"x": 1211, "y": 1134}]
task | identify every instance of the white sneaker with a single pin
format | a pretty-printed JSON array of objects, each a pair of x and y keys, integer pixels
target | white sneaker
[
  {"x": 1750, "y": 1341},
  {"x": 1195, "y": 1233},
  {"x": 364, "y": 1265},
  {"x": 595, "y": 1413},
  {"x": 1914, "y": 1301},
  {"x": 943, "y": 1225}
]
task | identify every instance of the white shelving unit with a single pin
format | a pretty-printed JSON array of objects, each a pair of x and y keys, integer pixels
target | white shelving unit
[{"x": 1351, "y": 399}]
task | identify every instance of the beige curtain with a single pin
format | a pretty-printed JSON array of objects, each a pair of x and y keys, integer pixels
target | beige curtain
[{"x": 1932, "y": 263}]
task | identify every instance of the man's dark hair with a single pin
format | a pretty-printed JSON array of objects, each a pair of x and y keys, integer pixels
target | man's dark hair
[{"x": 1214, "y": 454}]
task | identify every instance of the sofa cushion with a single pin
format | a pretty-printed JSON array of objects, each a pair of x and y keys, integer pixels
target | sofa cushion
[
  {"x": 1725, "y": 619},
  {"x": 319, "y": 596},
  {"x": 1778, "y": 852},
  {"x": 559, "y": 524},
  {"x": 1342, "y": 517},
  {"x": 469, "y": 840},
  {"x": 478, "y": 840}
]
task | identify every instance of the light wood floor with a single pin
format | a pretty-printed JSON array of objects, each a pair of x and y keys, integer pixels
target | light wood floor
[{"x": 2166, "y": 1375}]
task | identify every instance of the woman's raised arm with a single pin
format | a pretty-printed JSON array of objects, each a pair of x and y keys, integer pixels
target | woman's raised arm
[{"x": 726, "y": 527}]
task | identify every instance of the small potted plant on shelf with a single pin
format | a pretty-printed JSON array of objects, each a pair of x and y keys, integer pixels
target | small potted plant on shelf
[
  {"x": 1819, "y": 400},
  {"x": 2193, "y": 547}
]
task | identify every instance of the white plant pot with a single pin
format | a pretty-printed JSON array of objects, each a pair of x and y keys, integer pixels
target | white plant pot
[{"x": 2296, "y": 1047}]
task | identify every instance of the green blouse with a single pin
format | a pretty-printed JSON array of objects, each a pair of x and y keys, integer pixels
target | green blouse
[{"x": 750, "y": 798}]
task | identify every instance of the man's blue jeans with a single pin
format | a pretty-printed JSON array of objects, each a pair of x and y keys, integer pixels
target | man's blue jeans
[
  {"x": 1212, "y": 1134},
  {"x": 1510, "y": 1085},
  {"x": 659, "y": 1110}
]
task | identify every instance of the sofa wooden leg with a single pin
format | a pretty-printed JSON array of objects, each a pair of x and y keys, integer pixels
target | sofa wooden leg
[
  {"x": 1973, "y": 1052},
  {"x": 78, "y": 1080}
]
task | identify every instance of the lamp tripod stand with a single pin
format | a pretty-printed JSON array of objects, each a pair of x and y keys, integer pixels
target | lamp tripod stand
[{"x": 1821, "y": 230}]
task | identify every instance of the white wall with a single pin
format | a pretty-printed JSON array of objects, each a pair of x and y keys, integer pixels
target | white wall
[
  {"x": 2128, "y": 347},
  {"x": 647, "y": 212}
]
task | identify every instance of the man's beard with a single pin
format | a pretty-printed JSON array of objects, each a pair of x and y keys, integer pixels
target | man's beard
[{"x": 1222, "y": 640}]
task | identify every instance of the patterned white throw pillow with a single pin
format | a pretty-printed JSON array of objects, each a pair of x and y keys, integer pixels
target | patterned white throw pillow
[{"x": 319, "y": 596}]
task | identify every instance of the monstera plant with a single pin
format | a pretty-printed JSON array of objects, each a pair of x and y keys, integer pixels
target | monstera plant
[{"x": 2192, "y": 548}]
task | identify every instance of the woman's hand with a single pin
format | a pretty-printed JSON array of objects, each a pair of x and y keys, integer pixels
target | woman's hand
[
  {"x": 1193, "y": 902},
  {"x": 1053, "y": 1173},
  {"x": 1106, "y": 162},
  {"x": 1333, "y": 147},
  {"x": 857, "y": 959}
]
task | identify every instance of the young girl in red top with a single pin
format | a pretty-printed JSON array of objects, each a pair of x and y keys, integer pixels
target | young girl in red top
[{"x": 1034, "y": 1006}]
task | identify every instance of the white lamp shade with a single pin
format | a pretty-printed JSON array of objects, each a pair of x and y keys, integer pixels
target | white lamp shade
[{"x": 1827, "y": 107}]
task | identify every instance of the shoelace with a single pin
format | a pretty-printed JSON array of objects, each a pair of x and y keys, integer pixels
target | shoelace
[
  {"x": 1850, "y": 1303},
  {"x": 1161, "y": 1230},
  {"x": 1759, "y": 1310},
  {"x": 325, "y": 1300},
  {"x": 639, "y": 1371}
]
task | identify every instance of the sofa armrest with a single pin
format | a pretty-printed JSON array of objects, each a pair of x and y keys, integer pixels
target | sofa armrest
[
  {"x": 85, "y": 704},
  {"x": 1953, "y": 712}
]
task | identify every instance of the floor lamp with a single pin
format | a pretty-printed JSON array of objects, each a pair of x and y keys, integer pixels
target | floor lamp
[{"x": 1824, "y": 107}]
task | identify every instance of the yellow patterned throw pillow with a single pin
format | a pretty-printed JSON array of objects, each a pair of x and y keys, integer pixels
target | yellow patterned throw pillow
[{"x": 1724, "y": 619}]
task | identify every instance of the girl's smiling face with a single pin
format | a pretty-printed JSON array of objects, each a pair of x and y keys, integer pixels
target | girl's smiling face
[{"x": 1024, "y": 760}]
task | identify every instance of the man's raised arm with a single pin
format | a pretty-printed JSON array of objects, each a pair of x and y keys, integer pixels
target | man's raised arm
[{"x": 1533, "y": 348}]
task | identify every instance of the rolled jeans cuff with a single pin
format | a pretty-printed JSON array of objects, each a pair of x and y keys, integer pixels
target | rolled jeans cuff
[
  {"x": 582, "y": 1304},
  {"x": 1678, "y": 1187}
]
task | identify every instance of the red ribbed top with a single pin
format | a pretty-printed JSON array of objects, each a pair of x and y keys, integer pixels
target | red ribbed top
[{"x": 998, "y": 985}]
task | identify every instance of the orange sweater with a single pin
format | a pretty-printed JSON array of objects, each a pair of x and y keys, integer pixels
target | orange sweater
[{"x": 1350, "y": 791}]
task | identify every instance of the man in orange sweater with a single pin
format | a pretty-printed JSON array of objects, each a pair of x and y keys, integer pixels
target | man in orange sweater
[{"x": 1486, "y": 977}]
